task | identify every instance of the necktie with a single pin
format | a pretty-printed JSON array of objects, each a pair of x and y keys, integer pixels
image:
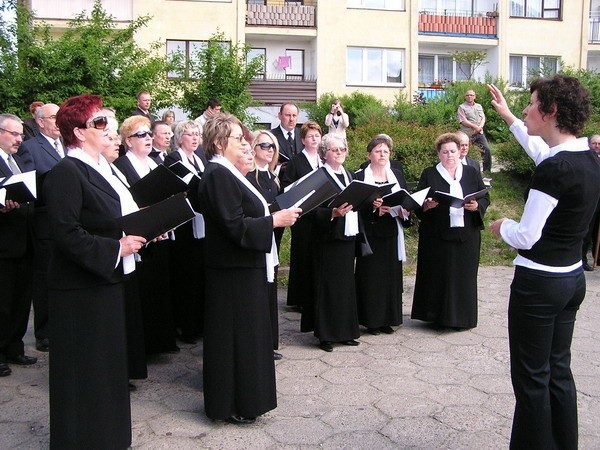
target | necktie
[
  {"x": 291, "y": 142},
  {"x": 59, "y": 149},
  {"x": 13, "y": 165}
]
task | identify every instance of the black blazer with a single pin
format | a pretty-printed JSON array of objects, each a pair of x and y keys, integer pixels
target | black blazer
[
  {"x": 124, "y": 165},
  {"x": 284, "y": 146},
  {"x": 173, "y": 157},
  {"x": 37, "y": 153},
  {"x": 83, "y": 210},
  {"x": 15, "y": 225},
  {"x": 471, "y": 162},
  {"x": 295, "y": 169}
]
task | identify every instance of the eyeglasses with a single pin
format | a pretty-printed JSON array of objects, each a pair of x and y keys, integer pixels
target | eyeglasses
[
  {"x": 192, "y": 134},
  {"x": 337, "y": 150},
  {"x": 13, "y": 133},
  {"x": 448, "y": 152},
  {"x": 249, "y": 152},
  {"x": 142, "y": 134},
  {"x": 53, "y": 117},
  {"x": 239, "y": 138},
  {"x": 266, "y": 146},
  {"x": 99, "y": 123}
]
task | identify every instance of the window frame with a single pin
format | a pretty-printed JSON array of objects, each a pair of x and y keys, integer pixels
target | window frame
[
  {"x": 525, "y": 69},
  {"x": 385, "y": 61},
  {"x": 436, "y": 68},
  {"x": 263, "y": 75},
  {"x": 360, "y": 4},
  {"x": 544, "y": 11},
  {"x": 189, "y": 43}
]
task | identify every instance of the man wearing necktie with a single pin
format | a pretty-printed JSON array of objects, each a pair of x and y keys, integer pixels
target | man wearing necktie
[
  {"x": 287, "y": 134},
  {"x": 15, "y": 254},
  {"x": 41, "y": 153},
  {"x": 161, "y": 141}
]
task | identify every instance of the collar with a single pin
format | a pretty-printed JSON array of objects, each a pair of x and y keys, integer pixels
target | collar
[
  {"x": 572, "y": 145},
  {"x": 285, "y": 132}
]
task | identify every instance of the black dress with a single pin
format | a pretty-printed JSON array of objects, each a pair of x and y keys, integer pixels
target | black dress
[
  {"x": 448, "y": 258},
  {"x": 238, "y": 371},
  {"x": 379, "y": 276}
]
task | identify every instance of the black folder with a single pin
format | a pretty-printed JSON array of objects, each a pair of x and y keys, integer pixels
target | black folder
[
  {"x": 158, "y": 185},
  {"x": 184, "y": 173},
  {"x": 360, "y": 194},
  {"x": 405, "y": 199},
  {"x": 159, "y": 218},
  {"x": 20, "y": 188},
  {"x": 443, "y": 198},
  {"x": 307, "y": 193}
]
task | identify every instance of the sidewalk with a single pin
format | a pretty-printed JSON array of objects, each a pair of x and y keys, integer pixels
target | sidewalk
[{"x": 416, "y": 388}]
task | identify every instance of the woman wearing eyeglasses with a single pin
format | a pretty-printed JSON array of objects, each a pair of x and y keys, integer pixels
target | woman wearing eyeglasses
[
  {"x": 89, "y": 393},
  {"x": 263, "y": 178},
  {"x": 238, "y": 370},
  {"x": 333, "y": 314},
  {"x": 187, "y": 250},
  {"x": 154, "y": 264},
  {"x": 449, "y": 242}
]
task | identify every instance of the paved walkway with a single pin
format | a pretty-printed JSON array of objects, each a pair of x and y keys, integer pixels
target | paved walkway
[{"x": 416, "y": 388}]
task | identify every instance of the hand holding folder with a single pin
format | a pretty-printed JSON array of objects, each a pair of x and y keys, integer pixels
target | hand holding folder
[
  {"x": 444, "y": 198},
  {"x": 20, "y": 188}
]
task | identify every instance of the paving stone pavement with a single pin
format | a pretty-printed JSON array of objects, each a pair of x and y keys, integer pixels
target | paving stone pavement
[{"x": 416, "y": 388}]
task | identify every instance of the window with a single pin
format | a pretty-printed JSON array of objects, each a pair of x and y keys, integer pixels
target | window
[
  {"x": 441, "y": 68},
  {"x": 523, "y": 68},
  {"x": 396, "y": 5},
  {"x": 185, "y": 53},
  {"x": 256, "y": 53},
  {"x": 374, "y": 66},
  {"x": 538, "y": 9},
  {"x": 457, "y": 7},
  {"x": 296, "y": 69}
]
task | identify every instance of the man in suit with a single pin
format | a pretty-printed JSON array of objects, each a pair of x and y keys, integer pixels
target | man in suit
[
  {"x": 15, "y": 254},
  {"x": 161, "y": 140},
  {"x": 464, "y": 151},
  {"x": 144, "y": 100},
  {"x": 287, "y": 134},
  {"x": 41, "y": 153}
]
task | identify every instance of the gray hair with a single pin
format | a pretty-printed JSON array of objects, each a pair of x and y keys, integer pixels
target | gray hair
[
  {"x": 181, "y": 128},
  {"x": 326, "y": 139},
  {"x": 4, "y": 117}
]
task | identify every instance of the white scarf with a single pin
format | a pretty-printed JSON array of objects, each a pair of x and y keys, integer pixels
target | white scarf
[
  {"x": 351, "y": 217},
  {"x": 311, "y": 160},
  {"x": 391, "y": 178},
  {"x": 271, "y": 258},
  {"x": 126, "y": 201},
  {"x": 198, "y": 226},
  {"x": 142, "y": 168},
  {"x": 457, "y": 215}
]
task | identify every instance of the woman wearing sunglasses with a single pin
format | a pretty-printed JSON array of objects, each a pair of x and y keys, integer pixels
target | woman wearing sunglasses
[
  {"x": 263, "y": 178},
  {"x": 89, "y": 393},
  {"x": 153, "y": 268},
  {"x": 187, "y": 250}
]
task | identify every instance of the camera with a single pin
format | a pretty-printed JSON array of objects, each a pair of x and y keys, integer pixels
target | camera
[{"x": 339, "y": 113}]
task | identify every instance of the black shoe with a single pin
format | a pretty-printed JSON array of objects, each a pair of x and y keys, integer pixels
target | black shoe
[
  {"x": 21, "y": 360},
  {"x": 4, "y": 370},
  {"x": 588, "y": 268},
  {"x": 374, "y": 331},
  {"x": 42, "y": 345},
  {"x": 277, "y": 356},
  {"x": 386, "y": 330},
  {"x": 351, "y": 342},
  {"x": 326, "y": 346},
  {"x": 132, "y": 387},
  {"x": 239, "y": 420},
  {"x": 187, "y": 339},
  {"x": 173, "y": 350}
]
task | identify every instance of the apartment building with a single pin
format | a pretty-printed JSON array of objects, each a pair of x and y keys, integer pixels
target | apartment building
[{"x": 380, "y": 47}]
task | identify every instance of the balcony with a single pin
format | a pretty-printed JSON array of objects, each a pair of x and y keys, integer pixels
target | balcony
[
  {"x": 121, "y": 10},
  {"x": 290, "y": 14},
  {"x": 275, "y": 91},
  {"x": 455, "y": 23}
]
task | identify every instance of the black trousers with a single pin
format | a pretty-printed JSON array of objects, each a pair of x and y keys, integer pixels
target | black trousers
[
  {"x": 541, "y": 318},
  {"x": 480, "y": 140}
]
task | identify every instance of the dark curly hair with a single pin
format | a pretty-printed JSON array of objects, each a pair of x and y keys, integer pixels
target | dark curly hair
[
  {"x": 445, "y": 139},
  {"x": 570, "y": 98}
]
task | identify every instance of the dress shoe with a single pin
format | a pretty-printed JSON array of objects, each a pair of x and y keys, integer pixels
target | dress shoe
[
  {"x": 373, "y": 331},
  {"x": 42, "y": 345},
  {"x": 187, "y": 339},
  {"x": 174, "y": 350},
  {"x": 239, "y": 420},
  {"x": 351, "y": 342},
  {"x": 588, "y": 268},
  {"x": 277, "y": 356},
  {"x": 132, "y": 387},
  {"x": 326, "y": 346},
  {"x": 21, "y": 360},
  {"x": 4, "y": 370},
  {"x": 386, "y": 330}
]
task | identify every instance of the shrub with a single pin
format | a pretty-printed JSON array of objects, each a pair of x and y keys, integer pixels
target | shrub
[{"x": 513, "y": 158}]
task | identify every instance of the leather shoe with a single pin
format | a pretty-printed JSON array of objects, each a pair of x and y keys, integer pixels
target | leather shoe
[
  {"x": 174, "y": 350},
  {"x": 386, "y": 330},
  {"x": 277, "y": 356},
  {"x": 4, "y": 370},
  {"x": 186, "y": 339},
  {"x": 351, "y": 342},
  {"x": 21, "y": 360},
  {"x": 42, "y": 345},
  {"x": 132, "y": 387},
  {"x": 588, "y": 268},
  {"x": 239, "y": 420},
  {"x": 326, "y": 346},
  {"x": 373, "y": 331}
]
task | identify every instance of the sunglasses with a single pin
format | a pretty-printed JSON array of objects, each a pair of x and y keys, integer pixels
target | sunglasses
[
  {"x": 99, "y": 123},
  {"x": 142, "y": 134},
  {"x": 266, "y": 146}
]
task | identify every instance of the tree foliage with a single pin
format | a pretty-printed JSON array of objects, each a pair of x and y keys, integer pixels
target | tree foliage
[
  {"x": 474, "y": 58},
  {"x": 91, "y": 56},
  {"x": 219, "y": 70}
]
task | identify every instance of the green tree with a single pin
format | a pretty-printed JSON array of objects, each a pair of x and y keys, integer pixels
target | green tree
[
  {"x": 474, "y": 58},
  {"x": 91, "y": 56},
  {"x": 219, "y": 70}
]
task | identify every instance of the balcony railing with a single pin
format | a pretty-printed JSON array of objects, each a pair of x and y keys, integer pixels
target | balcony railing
[
  {"x": 287, "y": 15},
  {"x": 277, "y": 91},
  {"x": 121, "y": 10},
  {"x": 594, "y": 37},
  {"x": 457, "y": 23}
]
